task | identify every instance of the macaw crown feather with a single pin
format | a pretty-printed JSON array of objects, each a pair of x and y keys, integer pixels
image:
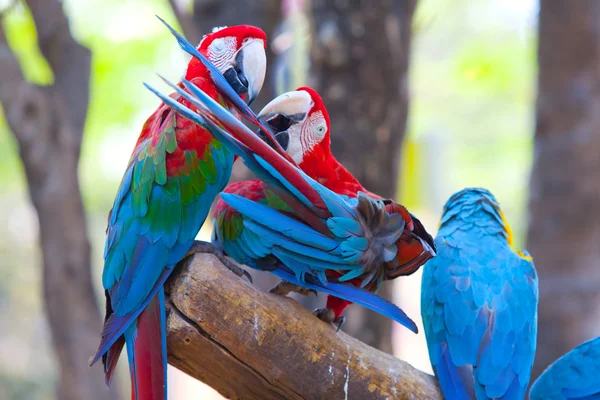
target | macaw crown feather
[
  {"x": 223, "y": 45},
  {"x": 474, "y": 202},
  {"x": 240, "y": 32},
  {"x": 318, "y": 105},
  {"x": 470, "y": 196}
]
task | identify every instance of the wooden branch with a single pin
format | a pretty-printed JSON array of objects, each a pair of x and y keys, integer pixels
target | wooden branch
[{"x": 249, "y": 344}]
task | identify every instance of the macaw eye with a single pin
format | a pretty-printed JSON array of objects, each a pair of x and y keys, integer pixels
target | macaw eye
[
  {"x": 320, "y": 130},
  {"x": 218, "y": 45}
]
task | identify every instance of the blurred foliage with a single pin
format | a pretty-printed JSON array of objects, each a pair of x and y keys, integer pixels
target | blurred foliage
[
  {"x": 128, "y": 45},
  {"x": 471, "y": 121},
  {"x": 472, "y": 91}
]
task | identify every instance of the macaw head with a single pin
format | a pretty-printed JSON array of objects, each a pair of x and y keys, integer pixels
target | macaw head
[
  {"x": 300, "y": 123},
  {"x": 477, "y": 206},
  {"x": 238, "y": 52}
]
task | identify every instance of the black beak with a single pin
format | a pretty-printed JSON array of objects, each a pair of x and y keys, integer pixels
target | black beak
[
  {"x": 279, "y": 125},
  {"x": 283, "y": 138},
  {"x": 235, "y": 77}
]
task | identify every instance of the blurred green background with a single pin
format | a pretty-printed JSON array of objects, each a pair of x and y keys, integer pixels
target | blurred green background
[{"x": 472, "y": 81}]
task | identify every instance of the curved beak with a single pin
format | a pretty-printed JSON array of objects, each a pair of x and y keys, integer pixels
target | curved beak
[
  {"x": 294, "y": 105},
  {"x": 283, "y": 112},
  {"x": 247, "y": 74}
]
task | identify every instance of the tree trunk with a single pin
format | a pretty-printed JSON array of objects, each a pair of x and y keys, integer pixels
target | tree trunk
[
  {"x": 564, "y": 226},
  {"x": 359, "y": 65},
  {"x": 48, "y": 125}
]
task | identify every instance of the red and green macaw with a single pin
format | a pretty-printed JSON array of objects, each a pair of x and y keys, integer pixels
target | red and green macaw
[
  {"x": 300, "y": 123},
  {"x": 176, "y": 170},
  {"x": 298, "y": 229}
]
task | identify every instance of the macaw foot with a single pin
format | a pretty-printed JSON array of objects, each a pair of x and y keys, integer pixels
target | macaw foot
[
  {"x": 205, "y": 247},
  {"x": 284, "y": 288},
  {"x": 328, "y": 315}
]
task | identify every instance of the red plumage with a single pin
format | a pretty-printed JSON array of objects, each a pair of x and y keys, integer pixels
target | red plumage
[{"x": 320, "y": 164}]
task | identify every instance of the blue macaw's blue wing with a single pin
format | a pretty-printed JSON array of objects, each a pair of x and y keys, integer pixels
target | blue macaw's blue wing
[
  {"x": 479, "y": 308},
  {"x": 576, "y": 375}
]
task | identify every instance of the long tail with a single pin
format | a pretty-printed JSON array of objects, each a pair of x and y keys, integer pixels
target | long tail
[
  {"x": 146, "y": 341},
  {"x": 115, "y": 326},
  {"x": 121, "y": 330},
  {"x": 353, "y": 294},
  {"x": 456, "y": 382}
]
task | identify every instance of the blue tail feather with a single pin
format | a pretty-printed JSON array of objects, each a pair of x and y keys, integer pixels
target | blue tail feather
[
  {"x": 456, "y": 382},
  {"x": 116, "y": 325},
  {"x": 163, "y": 334},
  {"x": 130, "y": 335},
  {"x": 279, "y": 222},
  {"x": 354, "y": 295},
  {"x": 316, "y": 263}
]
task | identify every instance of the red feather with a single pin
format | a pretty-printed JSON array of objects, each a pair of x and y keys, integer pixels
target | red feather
[
  {"x": 320, "y": 164},
  {"x": 148, "y": 354}
]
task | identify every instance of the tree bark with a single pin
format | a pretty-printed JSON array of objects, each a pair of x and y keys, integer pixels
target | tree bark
[
  {"x": 360, "y": 58},
  {"x": 564, "y": 226},
  {"x": 249, "y": 344},
  {"x": 48, "y": 125}
]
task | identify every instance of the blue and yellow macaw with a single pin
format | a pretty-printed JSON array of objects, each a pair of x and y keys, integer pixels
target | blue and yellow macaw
[
  {"x": 479, "y": 303},
  {"x": 576, "y": 375}
]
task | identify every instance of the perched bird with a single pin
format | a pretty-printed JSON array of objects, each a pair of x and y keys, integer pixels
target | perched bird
[
  {"x": 576, "y": 375},
  {"x": 176, "y": 170},
  {"x": 300, "y": 230},
  {"x": 300, "y": 123},
  {"x": 479, "y": 303}
]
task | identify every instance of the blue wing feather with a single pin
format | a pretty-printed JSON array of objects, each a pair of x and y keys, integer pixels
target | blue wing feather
[
  {"x": 279, "y": 222},
  {"x": 479, "y": 307},
  {"x": 150, "y": 229},
  {"x": 573, "y": 376},
  {"x": 352, "y": 294}
]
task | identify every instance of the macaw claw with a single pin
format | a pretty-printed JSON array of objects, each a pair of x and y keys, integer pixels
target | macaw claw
[
  {"x": 205, "y": 247},
  {"x": 328, "y": 315},
  {"x": 283, "y": 288}
]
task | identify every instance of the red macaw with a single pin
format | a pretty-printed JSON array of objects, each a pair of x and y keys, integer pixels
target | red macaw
[
  {"x": 299, "y": 229},
  {"x": 175, "y": 171},
  {"x": 300, "y": 123}
]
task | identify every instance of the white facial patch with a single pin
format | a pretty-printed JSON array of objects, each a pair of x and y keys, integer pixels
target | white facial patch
[
  {"x": 221, "y": 52},
  {"x": 303, "y": 137}
]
